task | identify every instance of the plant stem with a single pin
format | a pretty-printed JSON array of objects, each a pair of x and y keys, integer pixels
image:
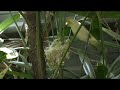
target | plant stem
[
  {"x": 40, "y": 51},
  {"x": 27, "y": 21}
]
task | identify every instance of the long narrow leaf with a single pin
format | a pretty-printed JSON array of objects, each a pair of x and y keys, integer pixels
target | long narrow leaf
[
  {"x": 95, "y": 31},
  {"x": 85, "y": 77},
  {"x": 109, "y": 44},
  {"x": 114, "y": 67},
  {"x": 73, "y": 73},
  {"x": 22, "y": 64},
  {"x": 116, "y": 72},
  {"x": 5, "y": 24},
  {"x": 111, "y": 33},
  {"x": 2, "y": 73},
  {"x": 116, "y": 77},
  {"x": 88, "y": 67}
]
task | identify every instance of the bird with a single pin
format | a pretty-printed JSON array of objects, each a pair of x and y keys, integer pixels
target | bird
[{"x": 83, "y": 35}]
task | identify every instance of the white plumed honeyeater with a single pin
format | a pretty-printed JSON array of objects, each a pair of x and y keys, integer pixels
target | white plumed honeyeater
[{"x": 83, "y": 34}]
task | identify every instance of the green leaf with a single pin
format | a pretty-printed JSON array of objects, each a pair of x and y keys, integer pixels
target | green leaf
[
  {"x": 111, "y": 14},
  {"x": 2, "y": 56},
  {"x": 66, "y": 31},
  {"x": 105, "y": 14},
  {"x": 20, "y": 74},
  {"x": 116, "y": 77},
  {"x": 116, "y": 72},
  {"x": 73, "y": 73},
  {"x": 109, "y": 44},
  {"x": 95, "y": 27},
  {"x": 26, "y": 63},
  {"x": 85, "y": 77},
  {"x": 22, "y": 64},
  {"x": 111, "y": 33},
  {"x": 101, "y": 71},
  {"x": 5, "y": 24},
  {"x": 114, "y": 68},
  {"x": 10, "y": 52},
  {"x": 88, "y": 67},
  {"x": 2, "y": 73}
]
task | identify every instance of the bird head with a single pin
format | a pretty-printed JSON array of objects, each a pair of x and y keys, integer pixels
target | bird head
[{"x": 70, "y": 21}]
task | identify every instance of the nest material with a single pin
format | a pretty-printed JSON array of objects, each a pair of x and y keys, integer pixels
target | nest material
[{"x": 55, "y": 52}]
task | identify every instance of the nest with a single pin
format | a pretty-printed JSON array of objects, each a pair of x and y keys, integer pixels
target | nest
[{"x": 55, "y": 52}]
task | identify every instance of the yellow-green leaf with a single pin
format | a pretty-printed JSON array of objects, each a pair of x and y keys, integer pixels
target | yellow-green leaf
[
  {"x": 2, "y": 73},
  {"x": 6, "y": 23}
]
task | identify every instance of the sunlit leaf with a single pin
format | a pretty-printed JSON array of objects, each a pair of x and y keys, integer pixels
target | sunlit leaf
[
  {"x": 11, "y": 53},
  {"x": 88, "y": 67},
  {"x": 6, "y": 23}
]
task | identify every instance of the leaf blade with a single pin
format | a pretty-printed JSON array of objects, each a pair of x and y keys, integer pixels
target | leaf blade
[
  {"x": 2, "y": 73},
  {"x": 88, "y": 67},
  {"x": 6, "y": 23}
]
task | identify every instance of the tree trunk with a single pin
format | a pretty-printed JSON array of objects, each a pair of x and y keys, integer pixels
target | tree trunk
[{"x": 38, "y": 62}]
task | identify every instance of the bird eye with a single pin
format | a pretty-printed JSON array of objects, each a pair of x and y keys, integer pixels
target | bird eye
[{"x": 66, "y": 23}]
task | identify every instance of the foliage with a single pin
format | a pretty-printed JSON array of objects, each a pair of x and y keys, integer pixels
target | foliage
[{"x": 58, "y": 50}]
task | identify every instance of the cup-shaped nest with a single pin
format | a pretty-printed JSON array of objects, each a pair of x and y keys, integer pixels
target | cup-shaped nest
[{"x": 55, "y": 52}]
